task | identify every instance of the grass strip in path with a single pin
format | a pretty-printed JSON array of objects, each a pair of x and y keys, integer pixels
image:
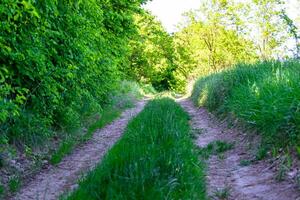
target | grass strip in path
[{"x": 155, "y": 159}]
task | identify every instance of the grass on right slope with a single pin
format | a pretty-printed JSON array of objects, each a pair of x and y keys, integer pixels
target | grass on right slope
[
  {"x": 265, "y": 96},
  {"x": 155, "y": 159}
]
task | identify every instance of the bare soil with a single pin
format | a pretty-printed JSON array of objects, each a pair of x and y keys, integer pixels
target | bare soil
[
  {"x": 256, "y": 181},
  {"x": 52, "y": 182}
]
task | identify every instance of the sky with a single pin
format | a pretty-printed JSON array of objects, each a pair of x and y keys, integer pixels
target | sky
[{"x": 169, "y": 12}]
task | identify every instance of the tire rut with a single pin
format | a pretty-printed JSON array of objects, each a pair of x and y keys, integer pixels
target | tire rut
[
  {"x": 52, "y": 182},
  {"x": 252, "y": 182}
]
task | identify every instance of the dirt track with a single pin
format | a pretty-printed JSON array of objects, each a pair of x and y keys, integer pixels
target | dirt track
[
  {"x": 253, "y": 182},
  {"x": 52, "y": 182}
]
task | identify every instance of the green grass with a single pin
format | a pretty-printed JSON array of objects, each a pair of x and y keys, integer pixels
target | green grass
[
  {"x": 2, "y": 190},
  {"x": 215, "y": 148},
  {"x": 245, "y": 163},
  {"x": 121, "y": 98},
  {"x": 108, "y": 115},
  {"x": 155, "y": 159},
  {"x": 14, "y": 184},
  {"x": 222, "y": 194},
  {"x": 264, "y": 96}
]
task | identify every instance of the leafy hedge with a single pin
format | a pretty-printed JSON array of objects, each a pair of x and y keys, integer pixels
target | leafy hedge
[{"x": 59, "y": 61}]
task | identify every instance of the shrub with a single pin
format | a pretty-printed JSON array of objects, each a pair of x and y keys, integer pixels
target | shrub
[{"x": 59, "y": 62}]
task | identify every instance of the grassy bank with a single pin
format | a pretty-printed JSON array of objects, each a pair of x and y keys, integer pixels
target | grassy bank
[
  {"x": 63, "y": 139},
  {"x": 128, "y": 92},
  {"x": 264, "y": 96},
  {"x": 155, "y": 159}
]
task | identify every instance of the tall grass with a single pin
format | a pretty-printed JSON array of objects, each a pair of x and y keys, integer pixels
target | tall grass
[
  {"x": 265, "y": 96},
  {"x": 122, "y": 98},
  {"x": 155, "y": 159}
]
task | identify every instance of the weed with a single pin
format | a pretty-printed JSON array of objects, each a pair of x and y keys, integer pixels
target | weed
[
  {"x": 221, "y": 156},
  {"x": 281, "y": 174},
  {"x": 1, "y": 161},
  {"x": 298, "y": 151},
  {"x": 215, "y": 148},
  {"x": 198, "y": 131},
  {"x": 14, "y": 184},
  {"x": 245, "y": 163},
  {"x": 222, "y": 146},
  {"x": 195, "y": 132},
  {"x": 162, "y": 165},
  {"x": 222, "y": 194},
  {"x": 261, "y": 153},
  {"x": 108, "y": 115},
  {"x": 298, "y": 181},
  {"x": 65, "y": 148},
  {"x": 284, "y": 166},
  {"x": 2, "y": 190}
]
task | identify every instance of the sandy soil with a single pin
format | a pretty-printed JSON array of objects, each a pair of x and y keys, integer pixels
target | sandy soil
[
  {"x": 50, "y": 183},
  {"x": 253, "y": 182}
]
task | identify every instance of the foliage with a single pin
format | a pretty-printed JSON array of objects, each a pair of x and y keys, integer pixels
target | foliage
[
  {"x": 59, "y": 61},
  {"x": 128, "y": 91},
  {"x": 207, "y": 45},
  {"x": 152, "y": 59},
  {"x": 293, "y": 31},
  {"x": 264, "y": 96},
  {"x": 163, "y": 165},
  {"x": 271, "y": 27}
]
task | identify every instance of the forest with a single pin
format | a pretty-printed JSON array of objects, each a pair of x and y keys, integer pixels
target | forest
[{"x": 157, "y": 111}]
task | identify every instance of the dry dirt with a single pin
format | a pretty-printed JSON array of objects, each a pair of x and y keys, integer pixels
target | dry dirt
[
  {"x": 253, "y": 182},
  {"x": 50, "y": 183}
]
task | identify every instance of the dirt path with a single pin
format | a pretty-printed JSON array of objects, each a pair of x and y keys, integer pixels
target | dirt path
[
  {"x": 54, "y": 181},
  {"x": 253, "y": 182}
]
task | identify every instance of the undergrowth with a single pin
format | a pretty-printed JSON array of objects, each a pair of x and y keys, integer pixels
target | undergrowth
[
  {"x": 65, "y": 138},
  {"x": 264, "y": 96},
  {"x": 123, "y": 98},
  {"x": 155, "y": 159},
  {"x": 107, "y": 116}
]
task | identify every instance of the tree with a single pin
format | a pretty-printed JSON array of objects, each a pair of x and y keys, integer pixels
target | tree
[
  {"x": 270, "y": 26},
  {"x": 208, "y": 43},
  {"x": 152, "y": 54}
]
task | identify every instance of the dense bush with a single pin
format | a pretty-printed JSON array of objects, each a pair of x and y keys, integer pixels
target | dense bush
[
  {"x": 265, "y": 96},
  {"x": 59, "y": 61},
  {"x": 155, "y": 159}
]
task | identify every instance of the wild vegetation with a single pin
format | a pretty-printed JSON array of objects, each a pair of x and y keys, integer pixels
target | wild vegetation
[
  {"x": 68, "y": 68},
  {"x": 264, "y": 96},
  {"x": 59, "y": 63},
  {"x": 61, "y": 70},
  {"x": 152, "y": 58},
  {"x": 164, "y": 164}
]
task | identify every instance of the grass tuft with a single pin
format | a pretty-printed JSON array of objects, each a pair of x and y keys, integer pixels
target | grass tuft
[
  {"x": 14, "y": 184},
  {"x": 215, "y": 148},
  {"x": 2, "y": 190},
  {"x": 222, "y": 194}
]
